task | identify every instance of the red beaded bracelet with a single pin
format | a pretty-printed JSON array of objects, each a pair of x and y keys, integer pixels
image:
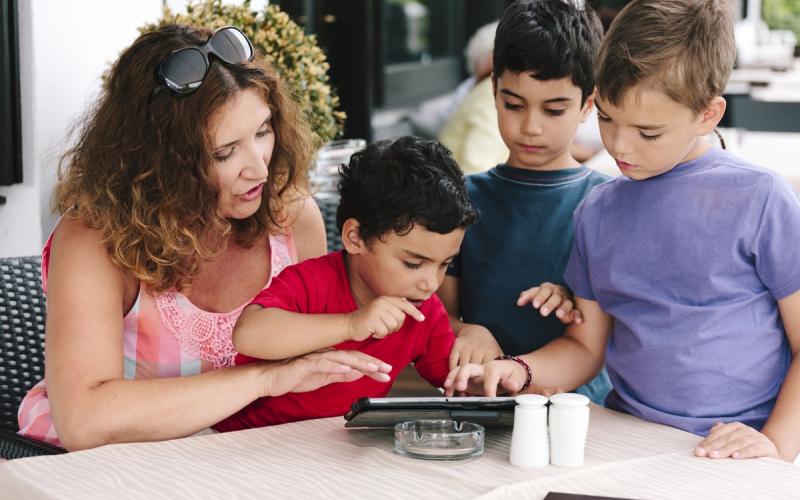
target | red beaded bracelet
[{"x": 524, "y": 365}]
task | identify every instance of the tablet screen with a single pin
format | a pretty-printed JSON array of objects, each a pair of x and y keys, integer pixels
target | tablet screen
[{"x": 386, "y": 412}]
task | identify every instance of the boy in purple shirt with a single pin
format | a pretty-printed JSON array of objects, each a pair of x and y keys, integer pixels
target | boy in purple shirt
[{"x": 684, "y": 268}]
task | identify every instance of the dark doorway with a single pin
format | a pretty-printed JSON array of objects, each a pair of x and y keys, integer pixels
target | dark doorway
[{"x": 10, "y": 140}]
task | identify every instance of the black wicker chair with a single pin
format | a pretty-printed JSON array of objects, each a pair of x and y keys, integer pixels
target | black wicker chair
[
  {"x": 22, "y": 315},
  {"x": 328, "y": 203}
]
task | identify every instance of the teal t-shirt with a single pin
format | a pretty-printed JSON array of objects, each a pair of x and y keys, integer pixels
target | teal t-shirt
[{"x": 523, "y": 238}]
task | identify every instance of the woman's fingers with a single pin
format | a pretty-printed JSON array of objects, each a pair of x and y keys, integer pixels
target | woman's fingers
[
  {"x": 351, "y": 376},
  {"x": 358, "y": 360},
  {"x": 324, "y": 365}
]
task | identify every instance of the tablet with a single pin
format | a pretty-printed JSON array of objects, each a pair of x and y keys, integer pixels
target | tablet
[{"x": 386, "y": 412}]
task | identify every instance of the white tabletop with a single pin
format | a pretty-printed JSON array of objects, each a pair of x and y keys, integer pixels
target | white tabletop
[{"x": 625, "y": 457}]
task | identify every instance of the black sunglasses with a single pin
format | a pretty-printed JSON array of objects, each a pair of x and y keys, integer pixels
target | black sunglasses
[{"x": 184, "y": 70}]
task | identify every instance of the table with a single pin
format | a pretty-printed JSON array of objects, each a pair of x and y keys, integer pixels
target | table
[
  {"x": 778, "y": 151},
  {"x": 625, "y": 456}
]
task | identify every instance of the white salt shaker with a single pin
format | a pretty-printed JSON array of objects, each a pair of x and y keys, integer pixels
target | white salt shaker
[
  {"x": 529, "y": 443},
  {"x": 569, "y": 424}
]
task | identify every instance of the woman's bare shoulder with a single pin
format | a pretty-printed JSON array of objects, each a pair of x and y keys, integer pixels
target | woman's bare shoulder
[
  {"x": 77, "y": 249},
  {"x": 73, "y": 230},
  {"x": 308, "y": 228},
  {"x": 76, "y": 242}
]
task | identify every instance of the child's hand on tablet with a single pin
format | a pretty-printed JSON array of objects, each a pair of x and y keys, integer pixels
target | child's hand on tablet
[
  {"x": 474, "y": 344},
  {"x": 506, "y": 375}
]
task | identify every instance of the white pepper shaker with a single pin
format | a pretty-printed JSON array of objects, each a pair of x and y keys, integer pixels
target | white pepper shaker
[
  {"x": 529, "y": 443},
  {"x": 569, "y": 424}
]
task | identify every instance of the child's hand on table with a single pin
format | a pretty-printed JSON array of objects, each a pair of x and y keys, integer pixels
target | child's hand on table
[{"x": 735, "y": 440}]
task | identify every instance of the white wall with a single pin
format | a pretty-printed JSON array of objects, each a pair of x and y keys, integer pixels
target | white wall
[{"x": 64, "y": 48}]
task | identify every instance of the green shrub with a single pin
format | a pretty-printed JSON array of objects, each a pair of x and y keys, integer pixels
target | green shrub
[
  {"x": 295, "y": 55},
  {"x": 782, "y": 14}
]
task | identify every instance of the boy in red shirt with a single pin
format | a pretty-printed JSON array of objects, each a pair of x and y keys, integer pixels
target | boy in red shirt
[{"x": 402, "y": 215}]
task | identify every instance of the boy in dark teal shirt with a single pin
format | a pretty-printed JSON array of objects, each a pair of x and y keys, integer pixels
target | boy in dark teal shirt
[{"x": 544, "y": 87}]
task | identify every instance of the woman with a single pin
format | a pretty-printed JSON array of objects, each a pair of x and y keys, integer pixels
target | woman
[{"x": 184, "y": 195}]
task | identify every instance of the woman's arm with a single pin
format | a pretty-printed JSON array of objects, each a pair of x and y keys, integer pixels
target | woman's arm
[{"x": 90, "y": 401}]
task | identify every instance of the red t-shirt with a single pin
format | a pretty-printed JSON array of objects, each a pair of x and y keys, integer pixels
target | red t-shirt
[{"x": 320, "y": 286}]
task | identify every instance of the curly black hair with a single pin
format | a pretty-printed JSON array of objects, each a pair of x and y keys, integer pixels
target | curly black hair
[{"x": 393, "y": 184}]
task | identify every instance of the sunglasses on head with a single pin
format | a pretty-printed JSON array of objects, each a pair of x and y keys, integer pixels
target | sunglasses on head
[{"x": 184, "y": 70}]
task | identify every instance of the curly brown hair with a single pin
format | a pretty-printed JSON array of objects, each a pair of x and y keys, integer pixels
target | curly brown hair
[{"x": 142, "y": 171}]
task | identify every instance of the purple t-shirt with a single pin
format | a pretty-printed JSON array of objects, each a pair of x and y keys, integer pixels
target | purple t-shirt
[{"x": 690, "y": 264}]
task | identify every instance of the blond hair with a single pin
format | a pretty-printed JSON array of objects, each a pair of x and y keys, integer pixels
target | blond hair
[{"x": 684, "y": 48}]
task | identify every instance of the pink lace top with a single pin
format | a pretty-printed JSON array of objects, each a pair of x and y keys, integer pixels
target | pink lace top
[{"x": 163, "y": 336}]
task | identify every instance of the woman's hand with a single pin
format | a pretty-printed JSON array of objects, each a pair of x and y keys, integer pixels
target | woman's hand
[
  {"x": 474, "y": 344},
  {"x": 318, "y": 369},
  {"x": 547, "y": 298}
]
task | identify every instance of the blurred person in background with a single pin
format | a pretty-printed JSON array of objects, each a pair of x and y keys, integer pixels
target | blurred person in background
[
  {"x": 471, "y": 132},
  {"x": 430, "y": 117}
]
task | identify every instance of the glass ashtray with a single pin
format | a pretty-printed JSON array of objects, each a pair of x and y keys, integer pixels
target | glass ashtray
[{"x": 438, "y": 439}]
